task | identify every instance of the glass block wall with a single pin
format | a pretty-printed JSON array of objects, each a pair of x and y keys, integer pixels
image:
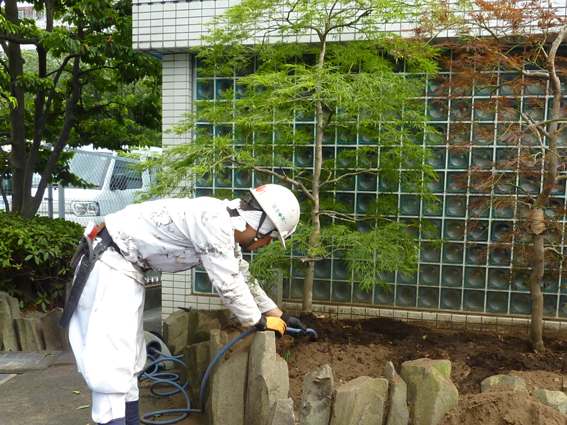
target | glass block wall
[{"x": 453, "y": 277}]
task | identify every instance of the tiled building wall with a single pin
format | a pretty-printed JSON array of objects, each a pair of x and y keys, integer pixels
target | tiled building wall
[{"x": 449, "y": 278}]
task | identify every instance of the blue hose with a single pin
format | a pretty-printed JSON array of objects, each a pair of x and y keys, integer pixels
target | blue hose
[{"x": 151, "y": 372}]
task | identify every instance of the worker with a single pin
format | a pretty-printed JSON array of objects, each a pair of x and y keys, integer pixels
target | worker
[{"x": 170, "y": 235}]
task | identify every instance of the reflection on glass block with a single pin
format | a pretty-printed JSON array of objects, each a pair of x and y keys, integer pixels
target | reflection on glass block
[
  {"x": 367, "y": 182},
  {"x": 204, "y": 89},
  {"x": 521, "y": 280},
  {"x": 296, "y": 289},
  {"x": 406, "y": 296},
  {"x": 550, "y": 305},
  {"x": 474, "y": 277},
  {"x": 328, "y": 153},
  {"x": 340, "y": 270},
  {"x": 498, "y": 278},
  {"x": 478, "y": 232},
  {"x": 437, "y": 113},
  {"x": 473, "y": 301},
  {"x": 433, "y": 208},
  {"x": 476, "y": 254},
  {"x": 428, "y": 298},
  {"x": 520, "y": 304},
  {"x": 455, "y": 182},
  {"x": 346, "y": 199},
  {"x": 529, "y": 186},
  {"x": 384, "y": 296},
  {"x": 497, "y": 302},
  {"x": 341, "y": 292},
  {"x": 458, "y": 159},
  {"x": 432, "y": 230},
  {"x": 409, "y": 205},
  {"x": 363, "y": 227},
  {"x": 304, "y": 157},
  {"x": 242, "y": 179},
  {"x": 223, "y": 86},
  {"x": 363, "y": 202},
  {"x": 451, "y": 299},
  {"x": 361, "y": 296},
  {"x": 478, "y": 208},
  {"x": 500, "y": 229},
  {"x": 429, "y": 275},
  {"x": 453, "y": 253},
  {"x": 412, "y": 228},
  {"x": 404, "y": 278},
  {"x": 455, "y": 206},
  {"x": 430, "y": 253},
  {"x": 437, "y": 186},
  {"x": 563, "y": 306},
  {"x": 366, "y": 139},
  {"x": 482, "y": 157},
  {"x": 203, "y": 283},
  {"x": 386, "y": 185},
  {"x": 323, "y": 269},
  {"x": 454, "y": 229},
  {"x": 329, "y": 137},
  {"x": 321, "y": 290},
  {"x": 549, "y": 283},
  {"x": 438, "y": 159},
  {"x": 387, "y": 276},
  {"x": 536, "y": 87},
  {"x": 500, "y": 256},
  {"x": 452, "y": 276}
]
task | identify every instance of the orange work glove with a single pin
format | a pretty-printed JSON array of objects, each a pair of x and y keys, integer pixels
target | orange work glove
[{"x": 275, "y": 324}]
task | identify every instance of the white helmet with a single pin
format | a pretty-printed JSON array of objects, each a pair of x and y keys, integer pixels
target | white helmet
[{"x": 281, "y": 207}]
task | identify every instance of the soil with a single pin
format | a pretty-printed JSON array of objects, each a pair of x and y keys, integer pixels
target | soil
[{"x": 356, "y": 348}]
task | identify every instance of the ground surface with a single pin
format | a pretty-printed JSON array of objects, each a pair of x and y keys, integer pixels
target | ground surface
[{"x": 362, "y": 348}]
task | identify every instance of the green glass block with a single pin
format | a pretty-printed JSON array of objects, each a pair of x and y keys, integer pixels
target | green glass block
[
  {"x": 296, "y": 289},
  {"x": 476, "y": 254},
  {"x": 500, "y": 230},
  {"x": 224, "y": 179},
  {"x": 430, "y": 253},
  {"x": 455, "y": 182},
  {"x": 363, "y": 202},
  {"x": 341, "y": 292},
  {"x": 520, "y": 303},
  {"x": 361, "y": 296},
  {"x": 404, "y": 278},
  {"x": 478, "y": 231},
  {"x": 496, "y": 302},
  {"x": 473, "y": 300},
  {"x": 433, "y": 209},
  {"x": 476, "y": 209},
  {"x": 411, "y": 227},
  {"x": 385, "y": 185},
  {"x": 297, "y": 272},
  {"x": 322, "y": 290},
  {"x": 438, "y": 159},
  {"x": 346, "y": 157},
  {"x": 452, "y": 276},
  {"x": 450, "y": 299},
  {"x": 346, "y": 199},
  {"x": 205, "y": 89},
  {"x": 437, "y": 112},
  {"x": 429, "y": 274},
  {"x": 245, "y": 70},
  {"x": 389, "y": 277},
  {"x": 438, "y": 185},
  {"x": 406, "y": 296},
  {"x": 365, "y": 139},
  {"x": 482, "y": 157},
  {"x": 328, "y": 153},
  {"x": 243, "y": 179},
  {"x": 503, "y": 211},
  {"x": 433, "y": 230},
  {"x": 204, "y": 192},
  {"x": 498, "y": 278},
  {"x": 550, "y": 305},
  {"x": 346, "y": 137},
  {"x": 340, "y": 270},
  {"x": 409, "y": 205},
  {"x": 484, "y": 111},
  {"x": 304, "y": 157},
  {"x": 563, "y": 306},
  {"x": 203, "y": 283},
  {"x": 285, "y": 288},
  {"x": 549, "y": 283},
  {"x": 475, "y": 277},
  {"x": 363, "y": 227},
  {"x": 521, "y": 280},
  {"x": 559, "y": 188},
  {"x": 453, "y": 253},
  {"x": 261, "y": 179},
  {"x": 454, "y": 229},
  {"x": 500, "y": 256},
  {"x": 428, "y": 298},
  {"x": 458, "y": 159},
  {"x": 329, "y": 137},
  {"x": 455, "y": 206},
  {"x": 483, "y": 134},
  {"x": 223, "y": 85},
  {"x": 366, "y": 182},
  {"x": 322, "y": 269},
  {"x": 386, "y": 296}
]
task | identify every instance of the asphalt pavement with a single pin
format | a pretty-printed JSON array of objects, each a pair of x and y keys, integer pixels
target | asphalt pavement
[{"x": 45, "y": 388}]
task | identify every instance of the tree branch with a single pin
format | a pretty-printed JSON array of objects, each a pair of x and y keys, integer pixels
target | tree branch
[{"x": 18, "y": 40}]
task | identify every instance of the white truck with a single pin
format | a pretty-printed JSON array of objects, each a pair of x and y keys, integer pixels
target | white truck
[{"x": 116, "y": 184}]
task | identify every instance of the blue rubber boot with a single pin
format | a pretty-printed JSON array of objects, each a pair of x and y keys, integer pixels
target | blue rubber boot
[{"x": 132, "y": 413}]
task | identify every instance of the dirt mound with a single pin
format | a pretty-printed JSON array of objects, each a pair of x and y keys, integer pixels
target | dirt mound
[
  {"x": 356, "y": 348},
  {"x": 501, "y": 405}
]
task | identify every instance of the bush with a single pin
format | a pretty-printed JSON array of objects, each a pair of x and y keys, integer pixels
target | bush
[{"x": 35, "y": 256}]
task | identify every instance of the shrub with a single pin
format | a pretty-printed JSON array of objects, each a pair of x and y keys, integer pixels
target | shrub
[{"x": 35, "y": 256}]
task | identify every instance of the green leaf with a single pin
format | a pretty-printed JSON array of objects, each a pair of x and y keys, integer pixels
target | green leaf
[{"x": 84, "y": 407}]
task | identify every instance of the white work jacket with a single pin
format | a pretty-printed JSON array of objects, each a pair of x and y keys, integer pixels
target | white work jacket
[{"x": 173, "y": 235}]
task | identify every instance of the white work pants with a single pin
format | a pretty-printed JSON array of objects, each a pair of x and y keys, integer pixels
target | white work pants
[{"x": 107, "y": 338}]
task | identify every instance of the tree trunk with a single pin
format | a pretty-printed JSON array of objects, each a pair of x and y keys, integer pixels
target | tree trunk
[
  {"x": 536, "y": 327},
  {"x": 308, "y": 288}
]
